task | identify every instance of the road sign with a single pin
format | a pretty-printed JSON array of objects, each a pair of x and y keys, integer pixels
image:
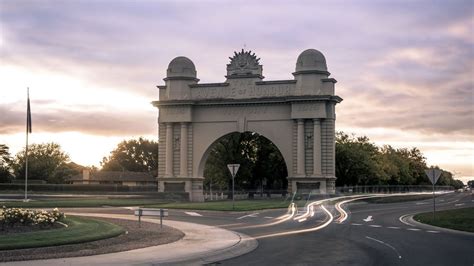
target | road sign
[
  {"x": 233, "y": 168},
  {"x": 433, "y": 174}
]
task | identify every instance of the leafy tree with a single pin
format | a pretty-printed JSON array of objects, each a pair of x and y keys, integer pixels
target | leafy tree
[
  {"x": 470, "y": 183},
  {"x": 45, "y": 162},
  {"x": 5, "y": 161},
  {"x": 138, "y": 155},
  {"x": 258, "y": 157},
  {"x": 357, "y": 161}
]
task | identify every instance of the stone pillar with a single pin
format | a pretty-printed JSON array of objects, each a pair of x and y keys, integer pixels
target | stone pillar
[
  {"x": 300, "y": 171},
  {"x": 317, "y": 147},
  {"x": 183, "y": 152},
  {"x": 169, "y": 150}
]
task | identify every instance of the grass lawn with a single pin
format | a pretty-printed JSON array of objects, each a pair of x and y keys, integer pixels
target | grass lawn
[
  {"x": 79, "y": 202},
  {"x": 395, "y": 199},
  {"x": 80, "y": 230},
  {"x": 458, "y": 219},
  {"x": 240, "y": 205}
]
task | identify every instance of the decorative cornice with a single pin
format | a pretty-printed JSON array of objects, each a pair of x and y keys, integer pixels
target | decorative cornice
[
  {"x": 311, "y": 72},
  {"x": 274, "y": 82},
  {"x": 203, "y": 85},
  {"x": 267, "y": 100},
  {"x": 329, "y": 80},
  {"x": 244, "y": 76},
  {"x": 181, "y": 78}
]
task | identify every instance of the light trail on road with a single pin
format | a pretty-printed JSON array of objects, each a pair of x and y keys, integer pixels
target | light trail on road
[{"x": 319, "y": 227}]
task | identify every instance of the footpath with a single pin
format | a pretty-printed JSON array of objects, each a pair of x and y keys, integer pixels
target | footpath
[{"x": 201, "y": 244}]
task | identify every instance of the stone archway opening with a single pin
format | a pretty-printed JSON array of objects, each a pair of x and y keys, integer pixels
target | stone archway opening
[{"x": 263, "y": 170}]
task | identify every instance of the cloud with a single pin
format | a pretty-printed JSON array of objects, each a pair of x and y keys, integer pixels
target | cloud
[
  {"x": 90, "y": 120},
  {"x": 399, "y": 65}
]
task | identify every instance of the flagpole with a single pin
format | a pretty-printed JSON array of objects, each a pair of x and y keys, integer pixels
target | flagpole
[{"x": 26, "y": 149}]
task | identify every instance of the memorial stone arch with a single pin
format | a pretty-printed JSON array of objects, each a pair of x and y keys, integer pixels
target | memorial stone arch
[{"x": 297, "y": 115}]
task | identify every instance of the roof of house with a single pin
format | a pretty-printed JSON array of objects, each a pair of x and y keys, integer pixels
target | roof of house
[{"x": 116, "y": 176}]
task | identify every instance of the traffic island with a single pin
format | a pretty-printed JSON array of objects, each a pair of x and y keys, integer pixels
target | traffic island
[
  {"x": 457, "y": 219},
  {"x": 86, "y": 237}
]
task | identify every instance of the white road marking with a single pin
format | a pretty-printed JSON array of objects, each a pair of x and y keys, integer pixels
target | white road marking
[
  {"x": 355, "y": 224},
  {"x": 434, "y": 232},
  {"x": 413, "y": 229},
  {"x": 253, "y": 215},
  {"x": 386, "y": 244},
  {"x": 421, "y": 203},
  {"x": 268, "y": 217},
  {"x": 441, "y": 200},
  {"x": 459, "y": 204},
  {"x": 393, "y": 227},
  {"x": 368, "y": 219},
  {"x": 375, "y": 225},
  {"x": 401, "y": 219},
  {"x": 193, "y": 213}
]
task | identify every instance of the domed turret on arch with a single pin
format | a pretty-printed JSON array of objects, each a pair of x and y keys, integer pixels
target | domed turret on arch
[
  {"x": 311, "y": 60},
  {"x": 181, "y": 68}
]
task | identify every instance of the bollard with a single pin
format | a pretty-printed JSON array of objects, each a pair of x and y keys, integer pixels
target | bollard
[
  {"x": 139, "y": 218},
  {"x": 161, "y": 218}
]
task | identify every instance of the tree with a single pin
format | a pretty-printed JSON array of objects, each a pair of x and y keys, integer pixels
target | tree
[
  {"x": 470, "y": 183},
  {"x": 137, "y": 155},
  {"x": 258, "y": 157},
  {"x": 5, "y": 161},
  {"x": 45, "y": 162},
  {"x": 357, "y": 161}
]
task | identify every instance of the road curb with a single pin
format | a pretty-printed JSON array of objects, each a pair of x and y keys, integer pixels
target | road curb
[
  {"x": 409, "y": 219},
  {"x": 202, "y": 244},
  {"x": 245, "y": 245}
]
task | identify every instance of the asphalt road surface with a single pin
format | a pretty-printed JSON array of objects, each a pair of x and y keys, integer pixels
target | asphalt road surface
[{"x": 372, "y": 234}]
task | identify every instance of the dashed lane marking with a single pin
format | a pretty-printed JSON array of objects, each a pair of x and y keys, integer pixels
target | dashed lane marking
[
  {"x": 193, "y": 213},
  {"x": 268, "y": 217},
  {"x": 396, "y": 228},
  {"x": 459, "y": 204}
]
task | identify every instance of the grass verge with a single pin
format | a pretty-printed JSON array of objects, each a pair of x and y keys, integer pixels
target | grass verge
[
  {"x": 240, "y": 205},
  {"x": 458, "y": 219},
  {"x": 396, "y": 199},
  {"x": 79, "y": 230},
  {"x": 79, "y": 202}
]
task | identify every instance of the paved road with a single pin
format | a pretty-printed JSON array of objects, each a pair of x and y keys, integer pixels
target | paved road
[{"x": 373, "y": 234}]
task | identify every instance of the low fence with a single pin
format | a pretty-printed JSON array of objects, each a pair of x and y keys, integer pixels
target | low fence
[
  {"x": 347, "y": 190},
  {"x": 390, "y": 189}
]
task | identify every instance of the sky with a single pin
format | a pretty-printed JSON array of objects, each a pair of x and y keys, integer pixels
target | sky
[{"x": 404, "y": 68}]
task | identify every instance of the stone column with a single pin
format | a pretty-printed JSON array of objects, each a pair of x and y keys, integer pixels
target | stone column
[
  {"x": 169, "y": 150},
  {"x": 183, "y": 152},
  {"x": 317, "y": 147},
  {"x": 300, "y": 171}
]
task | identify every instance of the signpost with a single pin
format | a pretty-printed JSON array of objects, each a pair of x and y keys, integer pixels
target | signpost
[
  {"x": 233, "y": 168},
  {"x": 433, "y": 175}
]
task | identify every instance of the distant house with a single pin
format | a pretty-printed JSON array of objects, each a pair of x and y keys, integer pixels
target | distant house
[{"x": 114, "y": 178}]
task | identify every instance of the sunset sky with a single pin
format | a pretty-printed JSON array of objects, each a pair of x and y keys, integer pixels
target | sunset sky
[{"x": 404, "y": 68}]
